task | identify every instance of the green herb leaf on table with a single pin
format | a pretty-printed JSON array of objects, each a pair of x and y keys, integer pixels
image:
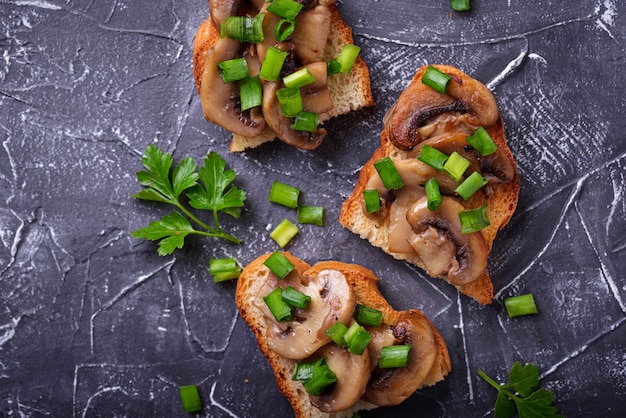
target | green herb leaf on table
[
  {"x": 519, "y": 394},
  {"x": 207, "y": 189}
]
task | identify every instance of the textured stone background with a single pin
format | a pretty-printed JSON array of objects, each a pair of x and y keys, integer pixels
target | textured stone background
[{"x": 94, "y": 323}]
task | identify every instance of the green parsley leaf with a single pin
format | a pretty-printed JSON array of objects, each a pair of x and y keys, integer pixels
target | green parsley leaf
[
  {"x": 207, "y": 189},
  {"x": 519, "y": 394}
]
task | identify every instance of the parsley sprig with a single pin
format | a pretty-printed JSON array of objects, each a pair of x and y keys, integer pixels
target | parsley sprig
[
  {"x": 519, "y": 394},
  {"x": 208, "y": 188}
]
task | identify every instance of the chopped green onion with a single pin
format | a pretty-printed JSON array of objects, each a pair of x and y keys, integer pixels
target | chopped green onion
[
  {"x": 251, "y": 93},
  {"x": 314, "y": 376},
  {"x": 284, "y": 194},
  {"x": 372, "y": 200},
  {"x": 288, "y": 9},
  {"x": 393, "y": 356},
  {"x": 298, "y": 79},
  {"x": 368, "y": 316},
  {"x": 337, "y": 332},
  {"x": 243, "y": 29},
  {"x": 278, "y": 307},
  {"x": 233, "y": 70},
  {"x": 347, "y": 57},
  {"x": 283, "y": 29},
  {"x": 388, "y": 174},
  {"x": 520, "y": 305},
  {"x": 333, "y": 67},
  {"x": 357, "y": 338},
  {"x": 303, "y": 372},
  {"x": 295, "y": 298},
  {"x": 456, "y": 165},
  {"x": 460, "y": 5},
  {"x": 311, "y": 215},
  {"x": 433, "y": 194},
  {"x": 190, "y": 398},
  {"x": 284, "y": 233},
  {"x": 306, "y": 121},
  {"x": 432, "y": 156},
  {"x": 223, "y": 269},
  {"x": 470, "y": 185},
  {"x": 436, "y": 79},
  {"x": 290, "y": 102},
  {"x": 279, "y": 264},
  {"x": 482, "y": 142},
  {"x": 473, "y": 220},
  {"x": 272, "y": 64}
]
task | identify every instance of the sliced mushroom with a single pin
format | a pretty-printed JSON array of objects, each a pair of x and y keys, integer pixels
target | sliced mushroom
[
  {"x": 393, "y": 386},
  {"x": 311, "y": 34},
  {"x": 421, "y": 112},
  {"x": 437, "y": 239},
  {"x": 221, "y": 9},
  {"x": 495, "y": 167},
  {"x": 220, "y": 100},
  {"x": 316, "y": 96},
  {"x": 281, "y": 125},
  {"x": 399, "y": 227},
  {"x": 332, "y": 300},
  {"x": 353, "y": 373}
]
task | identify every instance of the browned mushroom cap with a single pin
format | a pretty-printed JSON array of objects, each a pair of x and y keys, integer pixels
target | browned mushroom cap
[
  {"x": 422, "y": 112},
  {"x": 393, "y": 386},
  {"x": 332, "y": 300},
  {"x": 311, "y": 34},
  {"x": 220, "y": 100},
  {"x": 495, "y": 166},
  {"x": 353, "y": 373},
  {"x": 437, "y": 240},
  {"x": 281, "y": 125}
]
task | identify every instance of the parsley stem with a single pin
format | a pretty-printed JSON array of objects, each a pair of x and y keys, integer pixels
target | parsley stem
[{"x": 216, "y": 232}]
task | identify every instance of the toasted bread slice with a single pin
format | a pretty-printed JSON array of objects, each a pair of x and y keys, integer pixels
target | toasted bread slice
[
  {"x": 501, "y": 200},
  {"x": 349, "y": 92},
  {"x": 364, "y": 285}
]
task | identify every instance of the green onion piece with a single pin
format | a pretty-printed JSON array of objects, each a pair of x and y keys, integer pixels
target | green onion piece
[
  {"x": 473, "y": 220},
  {"x": 456, "y": 165},
  {"x": 357, "y": 338},
  {"x": 333, "y": 67},
  {"x": 243, "y": 29},
  {"x": 435, "y": 79},
  {"x": 303, "y": 372},
  {"x": 368, "y": 316},
  {"x": 388, "y": 174},
  {"x": 251, "y": 93},
  {"x": 284, "y": 194},
  {"x": 295, "y": 298},
  {"x": 520, "y": 305},
  {"x": 460, "y": 5},
  {"x": 272, "y": 64},
  {"x": 190, "y": 398},
  {"x": 311, "y": 215},
  {"x": 470, "y": 185},
  {"x": 306, "y": 121},
  {"x": 233, "y": 70},
  {"x": 284, "y": 233},
  {"x": 278, "y": 307},
  {"x": 393, "y": 356},
  {"x": 433, "y": 157},
  {"x": 223, "y": 269},
  {"x": 322, "y": 377},
  {"x": 279, "y": 264},
  {"x": 283, "y": 29},
  {"x": 298, "y": 79},
  {"x": 433, "y": 194},
  {"x": 290, "y": 102},
  {"x": 372, "y": 200},
  {"x": 482, "y": 142},
  {"x": 288, "y": 9},
  {"x": 347, "y": 57},
  {"x": 337, "y": 333}
]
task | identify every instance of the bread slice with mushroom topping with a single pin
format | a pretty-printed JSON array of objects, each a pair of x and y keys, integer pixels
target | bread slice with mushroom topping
[
  {"x": 341, "y": 94},
  {"x": 361, "y": 385},
  {"x": 405, "y": 228}
]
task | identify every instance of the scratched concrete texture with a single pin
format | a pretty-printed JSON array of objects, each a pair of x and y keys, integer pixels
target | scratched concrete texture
[{"x": 93, "y": 323}]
